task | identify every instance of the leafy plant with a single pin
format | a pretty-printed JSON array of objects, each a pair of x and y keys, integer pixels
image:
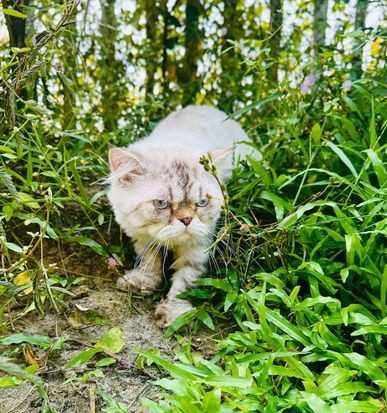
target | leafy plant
[{"x": 111, "y": 342}]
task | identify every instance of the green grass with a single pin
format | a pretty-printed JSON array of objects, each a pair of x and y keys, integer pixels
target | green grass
[
  {"x": 306, "y": 277},
  {"x": 299, "y": 265}
]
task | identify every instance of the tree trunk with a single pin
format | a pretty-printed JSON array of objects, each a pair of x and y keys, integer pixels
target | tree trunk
[
  {"x": 110, "y": 68},
  {"x": 275, "y": 40},
  {"x": 319, "y": 24},
  {"x": 67, "y": 73},
  {"x": 192, "y": 43},
  {"x": 232, "y": 30},
  {"x": 357, "y": 60},
  {"x": 152, "y": 10},
  {"x": 16, "y": 27},
  {"x": 164, "y": 61}
]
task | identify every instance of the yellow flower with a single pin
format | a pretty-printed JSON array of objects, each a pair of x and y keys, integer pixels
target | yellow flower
[
  {"x": 371, "y": 66},
  {"x": 375, "y": 46}
]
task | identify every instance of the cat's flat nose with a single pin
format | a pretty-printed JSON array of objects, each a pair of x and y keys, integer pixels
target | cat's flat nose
[{"x": 186, "y": 221}]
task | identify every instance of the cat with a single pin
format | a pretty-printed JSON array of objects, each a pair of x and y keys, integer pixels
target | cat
[{"x": 163, "y": 198}]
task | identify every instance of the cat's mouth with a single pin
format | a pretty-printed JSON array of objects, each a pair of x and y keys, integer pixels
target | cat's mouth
[{"x": 181, "y": 232}]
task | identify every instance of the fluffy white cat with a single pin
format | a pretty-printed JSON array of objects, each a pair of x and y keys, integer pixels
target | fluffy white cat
[{"x": 162, "y": 197}]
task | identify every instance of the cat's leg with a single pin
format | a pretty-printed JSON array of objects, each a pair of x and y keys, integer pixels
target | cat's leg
[
  {"x": 147, "y": 276},
  {"x": 189, "y": 265}
]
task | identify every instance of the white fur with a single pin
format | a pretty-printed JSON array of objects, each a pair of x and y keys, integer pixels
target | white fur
[
  {"x": 198, "y": 130},
  {"x": 165, "y": 166}
]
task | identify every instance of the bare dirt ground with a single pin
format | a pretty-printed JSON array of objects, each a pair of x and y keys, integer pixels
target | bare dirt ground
[
  {"x": 124, "y": 384},
  {"x": 96, "y": 307}
]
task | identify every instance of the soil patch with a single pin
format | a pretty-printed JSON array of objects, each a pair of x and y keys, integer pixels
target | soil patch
[{"x": 124, "y": 384}]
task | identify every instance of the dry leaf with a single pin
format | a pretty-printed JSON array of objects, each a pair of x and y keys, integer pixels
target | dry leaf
[
  {"x": 22, "y": 279},
  {"x": 29, "y": 355}
]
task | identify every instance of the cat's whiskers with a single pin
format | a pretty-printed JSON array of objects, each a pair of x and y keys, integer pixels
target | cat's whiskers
[
  {"x": 229, "y": 248},
  {"x": 227, "y": 244},
  {"x": 209, "y": 252},
  {"x": 148, "y": 245},
  {"x": 221, "y": 254},
  {"x": 144, "y": 266},
  {"x": 236, "y": 252}
]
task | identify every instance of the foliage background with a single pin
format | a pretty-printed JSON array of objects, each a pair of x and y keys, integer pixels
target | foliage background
[{"x": 300, "y": 261}]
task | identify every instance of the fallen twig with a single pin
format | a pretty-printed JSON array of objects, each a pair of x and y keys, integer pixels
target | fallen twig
[
  {"x": 92, "y": 398},
  {"x": 127, "y": 365}
]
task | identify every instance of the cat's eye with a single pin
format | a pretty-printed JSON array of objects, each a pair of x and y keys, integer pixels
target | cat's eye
[
  {"x": 202, "y": 202},
  {"x": 160, "y": 203}
]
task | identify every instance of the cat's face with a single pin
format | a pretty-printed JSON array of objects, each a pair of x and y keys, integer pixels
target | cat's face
[{"x": 163, "y": 196}]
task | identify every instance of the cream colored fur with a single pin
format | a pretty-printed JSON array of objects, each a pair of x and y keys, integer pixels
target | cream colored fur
[{"x": 164, "y": 168}]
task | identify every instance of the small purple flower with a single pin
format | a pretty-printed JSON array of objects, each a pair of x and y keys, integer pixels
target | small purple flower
[
  {"x": 34, "y": 40},
  {"x": 347, "y": 85},
  {"x": 308, "y": 82},
  {"x": 112, "y": 262},
  {"x": 222, "y": 32},
  {"x": 228, "y": 93}
]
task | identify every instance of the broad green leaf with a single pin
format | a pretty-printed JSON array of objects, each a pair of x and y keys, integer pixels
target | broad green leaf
[
  {"x": 111, "y": 340},
  {"x": 280, "y": 205},
  {"x": 36, "y": 339},
  {"x": 212, "y": 367},
  {"x": 316, "y": 133},
  {"x": 378, "y": 165},
  {"x": 173, "y": 385},
  {"x": 179, "y": 322},
  {"x": 83, "y": 357},
  {"x": 359, "y": 362},
  {"x": 13, "y": 247},
  {"x": 173, "y": 370},
  {"x": 266, "y": 355},
  {"x": 152, "y": 406},
  {"x": 198, "y": 371},
  {"x": 14, "y": 370},
  {"x": 6, "y": 178},
  {"x": 10, "y": 381},
  {"x": 212, "y": 400},
  {"x": 28, "y": 200},
  {"x": 89, "y": 243},
  {"x": 229, "y": 381},
  {"x": 285, "y": 372},
  {"x": 230, "y": 300},
  {"x": 106, "y": 361},
  {"x": 220, "y": 284},
  {"x": 295, "y": 216},
  {"x": 73, "y": 167},
  {"x": 383, "y": 292},
  {"x": 310, "y": 302},
  {"x": 355, "y": 406},
  {"x": 340, "y": 153},
  {"x": 205, "y": 318},
  {"x": 316, "y": 403},
  {"x": 43, "y": 225},
  {"x": 277, "y": 319},
  {"x": 14, "y": 13}
]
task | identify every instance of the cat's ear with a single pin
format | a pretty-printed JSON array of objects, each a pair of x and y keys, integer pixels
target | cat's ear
[
  {"x": 122, "y": 158},
  {"x": 221, "y": 160},
  {"x": 220, "y": 155},
  {"x": 125, "y": 164}
]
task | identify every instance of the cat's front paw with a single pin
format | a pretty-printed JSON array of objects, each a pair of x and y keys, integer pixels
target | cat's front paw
[
  {"x": 136, "y": 280},
  {"x": 168, "y": 310}
]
